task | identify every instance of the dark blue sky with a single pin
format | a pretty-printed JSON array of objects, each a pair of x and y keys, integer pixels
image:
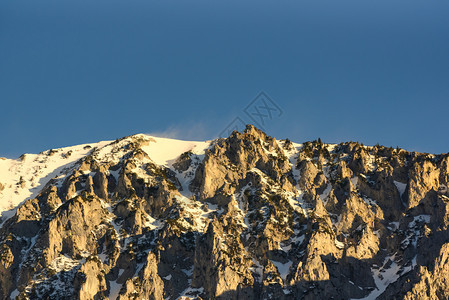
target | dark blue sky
[{"x": 81, "y": 71}]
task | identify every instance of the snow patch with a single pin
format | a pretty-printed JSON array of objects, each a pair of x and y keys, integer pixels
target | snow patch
[
  {"x": 388, "y": 273},
  {"x": 400, "y": 186},
  {"x": 114, "y": 290},
  {"x": 168, "y": 277},
  {"x": 283, "y": 269},
  {"x": 14, "y": 294},
  {"x": 339, "y": 244}
]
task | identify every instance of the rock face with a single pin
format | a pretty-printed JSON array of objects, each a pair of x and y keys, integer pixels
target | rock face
[{"x": 249, "y": 218}]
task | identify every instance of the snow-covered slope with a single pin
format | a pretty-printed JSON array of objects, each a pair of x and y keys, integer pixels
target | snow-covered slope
[{"x": 24, "y": 178}]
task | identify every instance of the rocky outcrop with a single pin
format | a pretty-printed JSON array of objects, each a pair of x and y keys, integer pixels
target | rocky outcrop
[
  {"x": 148, "y": 285},
  {"x": 6, "y": 262},
  {"x": 89, "y": 281},
  {"x": 221, "y": 264}
]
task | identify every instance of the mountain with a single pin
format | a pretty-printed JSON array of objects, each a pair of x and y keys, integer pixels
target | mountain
[{"x": 246, "y": 217}]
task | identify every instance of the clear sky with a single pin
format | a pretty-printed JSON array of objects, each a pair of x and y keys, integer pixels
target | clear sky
[{"x": 75, "y": 72}]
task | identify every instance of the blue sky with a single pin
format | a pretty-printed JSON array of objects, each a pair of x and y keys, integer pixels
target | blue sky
[{"x": 74, "y": 72}]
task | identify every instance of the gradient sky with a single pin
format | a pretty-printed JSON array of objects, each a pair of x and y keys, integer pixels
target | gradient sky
[{"x": 75, "y": 72}]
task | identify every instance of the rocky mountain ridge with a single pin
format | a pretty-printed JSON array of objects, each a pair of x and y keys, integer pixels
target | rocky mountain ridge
[{"x": 246, "y": 217}]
